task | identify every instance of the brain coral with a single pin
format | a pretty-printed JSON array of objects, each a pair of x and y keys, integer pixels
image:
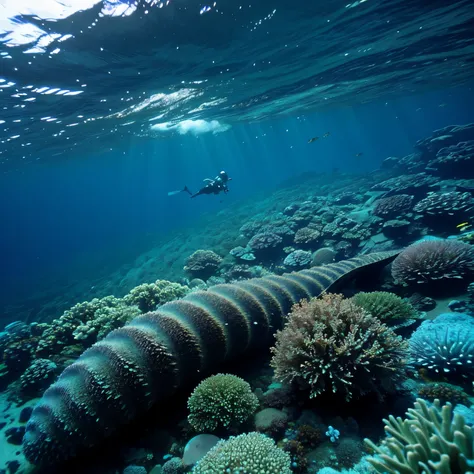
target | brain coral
[
  {"x": 251, "y": 453},
  {"x": 433, "y": 260},
  {"x": 393, "y": 206},
  {"x": 452, "y": 203},
  {"x": 222, "y": 400},
  {"x": 331, "y": 345},
  {"x": 202, "y": 264},
  {"x": 385, "y": 305}
]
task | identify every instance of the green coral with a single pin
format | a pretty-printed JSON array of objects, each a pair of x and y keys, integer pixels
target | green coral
[
  {"x": 149, "y": 295},
  {"x": 431, "y": 440},
  {"x": 385, "y": 305},
  {"x": 222, "y": 400},
  {"x": 250, "y": 453}
]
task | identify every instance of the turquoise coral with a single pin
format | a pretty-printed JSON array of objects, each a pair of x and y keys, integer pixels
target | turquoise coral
[{"x": 431, "y": 440}]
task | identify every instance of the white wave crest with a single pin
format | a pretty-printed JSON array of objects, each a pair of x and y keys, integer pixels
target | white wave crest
[{"x": 194, "y": 127}]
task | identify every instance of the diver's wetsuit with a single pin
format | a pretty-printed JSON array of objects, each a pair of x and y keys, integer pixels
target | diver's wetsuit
[{"x": 214, "y": 186}]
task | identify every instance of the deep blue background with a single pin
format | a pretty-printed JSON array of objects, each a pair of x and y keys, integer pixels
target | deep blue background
[{"x": 67, "y": 220}]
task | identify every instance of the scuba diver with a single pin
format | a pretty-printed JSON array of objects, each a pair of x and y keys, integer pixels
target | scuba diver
[{"x": 213, "y": 186}]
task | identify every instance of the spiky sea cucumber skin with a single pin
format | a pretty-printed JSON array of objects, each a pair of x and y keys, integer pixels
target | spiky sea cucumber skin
[{"x": 126, "y": 373}]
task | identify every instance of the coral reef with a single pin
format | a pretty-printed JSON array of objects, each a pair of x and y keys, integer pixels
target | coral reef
[
  {"x": 323, "y": 256},
  {"x": 450, "y": 204},
  {"x": 252, "y": 453},
  {"x": 222, "y": 400},
  {"x": 202, "y": 264},
  {"x": 430, "y": 440},
  {"x": 433, "y": 260},
  {"x": 454, "y": 161},
  {"x": 123, "y": 375},
  {"x": 331, "y": 345},
  {"x": 385, "y": 306}
]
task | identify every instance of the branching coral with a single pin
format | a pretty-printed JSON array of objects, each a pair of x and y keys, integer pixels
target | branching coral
[
  {"x": 433, "y": 260},
  {"x": 307, "y": 236},
  {"x": 149, "y": 295},
  {"x": 332, "y": 345},
  {"x": 251, "y": 453},
  {"x": 384, "y": 305},
  {"x": 202, "y": 264},
  {"x": 222, "y": 400},
  {"x": 429, "y": 441}
]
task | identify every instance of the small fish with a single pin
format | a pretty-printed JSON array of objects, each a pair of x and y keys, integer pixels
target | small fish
[
  {"x": 311, "y": 140},
  {"x": 326, "y": 134},
  {"x": 442, "y": 105},
  {"x": 358, "y": 155},
  {"x": 462, "y": 224}
]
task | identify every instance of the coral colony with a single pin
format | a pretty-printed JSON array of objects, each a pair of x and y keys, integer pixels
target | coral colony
[{"x": 292, "y": 331}]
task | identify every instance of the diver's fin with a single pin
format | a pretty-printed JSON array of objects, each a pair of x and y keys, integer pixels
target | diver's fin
[{"x": 184, "y": 190}]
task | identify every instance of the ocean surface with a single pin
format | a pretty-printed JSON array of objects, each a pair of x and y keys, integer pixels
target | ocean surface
[{"x": 108, "y": 106}]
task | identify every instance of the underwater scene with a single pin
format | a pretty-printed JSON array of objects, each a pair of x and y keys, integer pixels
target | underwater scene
[{"x": 236, "y": 237}]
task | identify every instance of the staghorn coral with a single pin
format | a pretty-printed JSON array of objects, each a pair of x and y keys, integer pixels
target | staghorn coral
[
  {"x": 393, "y": 206},
  {"x": 451, "y": 204},
  {"x": 444, "y": 392},
  {"x": 331, "y": 345},
  {"x": 222, "y": 400},
  {"x": 430, "y": 440},
  {"x": 298, "y": 259},
  {"x": 134, "y": 367},
  {"x": 251, "y": 453},
  {"x": 150, "y": 295},
  {"x": 433, "y": 260},
  {"x": 202, "y": 264},
  {"x": 385, "y": 306}
]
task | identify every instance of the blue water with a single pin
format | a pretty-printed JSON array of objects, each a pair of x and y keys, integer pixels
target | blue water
[{"x": 75, "y": 220}]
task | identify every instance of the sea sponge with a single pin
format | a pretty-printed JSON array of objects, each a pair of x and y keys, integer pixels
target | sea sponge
[
  {"x": 430, "y": 440},
  {"x": 202, "y": 264},
  {"x": 433, "y": 260},
  {"x": 149, "y": 295},
  {"x": 331, "y": 345},
  {"x": 385, "y": 305},
  {"x": 222, "y": 400},
  {"x": 393, "y": 206},
  {"x": 250, "y": 453}
]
